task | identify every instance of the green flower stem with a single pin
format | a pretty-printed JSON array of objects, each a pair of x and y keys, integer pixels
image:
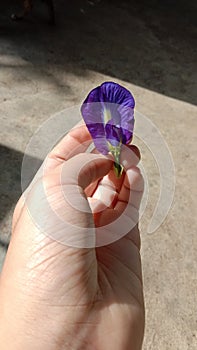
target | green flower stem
[{"x": 118, "y": 168}]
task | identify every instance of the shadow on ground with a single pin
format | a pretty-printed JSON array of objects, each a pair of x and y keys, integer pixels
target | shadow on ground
[
  {"x": 150, "y": 44},
  {"x": 10, "y": 178}
]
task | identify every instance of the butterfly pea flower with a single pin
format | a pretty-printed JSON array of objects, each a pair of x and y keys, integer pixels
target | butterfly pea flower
[{"x": 108, "y": 112}]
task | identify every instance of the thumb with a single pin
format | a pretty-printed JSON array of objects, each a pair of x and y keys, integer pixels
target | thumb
[
  {"x": 66, "y": 214},
  {"x": 84, "y": 169},
  {"x": 46, "y": 252}
]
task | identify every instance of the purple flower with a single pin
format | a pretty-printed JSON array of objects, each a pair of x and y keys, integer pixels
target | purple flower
[{"x": 108, "y": 112}]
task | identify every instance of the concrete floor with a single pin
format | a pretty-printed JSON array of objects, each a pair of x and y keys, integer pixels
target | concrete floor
[{"x": 150, "y": 50}]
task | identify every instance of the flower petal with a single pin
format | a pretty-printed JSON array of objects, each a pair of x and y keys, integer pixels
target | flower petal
[
  {"x": 113, "y": 134},
  {"x": 97, "y": 132},
  {"x": 115, "y": 93},
  {"x": 108, "y": 112},
  {"x": 92, "y": 113}
]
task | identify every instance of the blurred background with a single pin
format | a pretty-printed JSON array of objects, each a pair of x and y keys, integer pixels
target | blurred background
[{"x": 150, "y": 48}]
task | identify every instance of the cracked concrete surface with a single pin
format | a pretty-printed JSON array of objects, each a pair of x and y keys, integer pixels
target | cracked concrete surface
[{"x": 150, "y": 49}]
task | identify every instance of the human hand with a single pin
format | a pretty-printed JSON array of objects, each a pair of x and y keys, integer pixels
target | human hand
[{"x": 56, "y": 290}]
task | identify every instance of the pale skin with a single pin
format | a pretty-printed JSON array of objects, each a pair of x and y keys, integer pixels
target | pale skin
[{"x": 59, "y": 297}]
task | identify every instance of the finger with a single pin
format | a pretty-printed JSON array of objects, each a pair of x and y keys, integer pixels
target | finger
[
  {"x": 129, "y": 198},
  {"x": 67, "y": 215},
  {"x": 110, "y": 185},
  {"x": 89, "y": 168},
  {"x": 91, "y": 188},
  {"x": 127, "y": 202},
  {"x": 132, "y": 188},
  {"x": 130, "y": 155},
  {"x": 75, "y": 142},
  {"x": 98, "y": 204},
  {"x": 65, "y": 192},
  {"x": 135, "y": 150}
]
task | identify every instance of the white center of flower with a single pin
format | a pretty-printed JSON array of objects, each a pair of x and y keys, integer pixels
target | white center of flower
[{"x": 107, "y": 115}]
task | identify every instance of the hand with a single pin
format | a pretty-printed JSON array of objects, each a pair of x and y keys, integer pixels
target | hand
[{"x": 57, "y": 291}]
